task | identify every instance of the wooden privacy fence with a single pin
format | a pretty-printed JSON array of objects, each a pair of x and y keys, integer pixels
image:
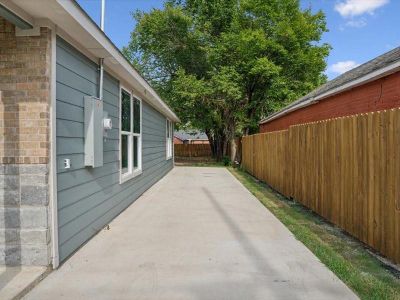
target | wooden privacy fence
[
  {"x": 345, "y": 169},
  {"x": 192, "y": 150}
]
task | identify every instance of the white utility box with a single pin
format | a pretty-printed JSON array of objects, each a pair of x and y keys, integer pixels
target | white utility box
[{"x": 93, "y": 132}]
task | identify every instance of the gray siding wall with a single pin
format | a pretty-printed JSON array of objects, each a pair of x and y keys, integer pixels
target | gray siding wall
[{"x": 89, "y": 198}]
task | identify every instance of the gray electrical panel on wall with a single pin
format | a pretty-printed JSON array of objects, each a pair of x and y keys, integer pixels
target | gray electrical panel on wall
[{"x": 93, "y": 132}]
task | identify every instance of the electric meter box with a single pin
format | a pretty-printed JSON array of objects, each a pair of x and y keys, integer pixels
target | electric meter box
[{"x": 93, "y": 132}]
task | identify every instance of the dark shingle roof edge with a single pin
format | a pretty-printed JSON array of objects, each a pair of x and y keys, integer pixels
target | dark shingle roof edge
[
  {"x": 378, "y": 67},
  {"x": 190, "y": 135}
]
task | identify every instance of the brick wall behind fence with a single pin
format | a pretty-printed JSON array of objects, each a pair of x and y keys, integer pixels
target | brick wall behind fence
[{"x": 380, "y": 94}]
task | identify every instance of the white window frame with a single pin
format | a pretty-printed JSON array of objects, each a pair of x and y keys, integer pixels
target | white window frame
[
  {"x": 169, "y": 140},
  {"x": 131, "y": 171}
]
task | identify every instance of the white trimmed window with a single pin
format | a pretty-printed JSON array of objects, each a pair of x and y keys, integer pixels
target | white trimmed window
[
  {"x": 169, "y": 133},
  {"x": 131, "y": 136}
]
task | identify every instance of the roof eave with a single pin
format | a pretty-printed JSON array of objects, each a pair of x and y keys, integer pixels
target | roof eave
[
  {"x": 75, "y": 9},
  {"x": 70, "y": 18}
]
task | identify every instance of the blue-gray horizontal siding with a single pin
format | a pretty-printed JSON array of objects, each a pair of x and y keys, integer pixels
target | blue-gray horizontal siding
[{"x": 89, "y": 198}]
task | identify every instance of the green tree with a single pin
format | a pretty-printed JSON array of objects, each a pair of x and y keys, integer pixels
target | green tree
[{"x": 224, "y": 64}]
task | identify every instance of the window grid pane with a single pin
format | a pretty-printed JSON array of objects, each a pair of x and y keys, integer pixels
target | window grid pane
[
  {"x": 169, "y": 138},
  {"x": 125, "y": 111},
  {"x": 130, "y": 135},
  {"x": 124, "y": 153},
  {"x": 135, "y": 152},
  {"x": 136, "y": 115}
]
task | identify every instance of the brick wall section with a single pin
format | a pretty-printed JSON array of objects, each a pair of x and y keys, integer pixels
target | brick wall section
[
  {"x": 25, "y": 71},
  {"x": 25, "y": 96},
  {"x": 177, "y": 141},
  {"x": 378, "y": 95}
]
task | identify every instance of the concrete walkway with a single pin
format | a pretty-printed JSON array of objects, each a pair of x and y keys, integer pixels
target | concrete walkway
[
  {"x": 197, "y": 234},
  {"x": 15, "y": 281}
]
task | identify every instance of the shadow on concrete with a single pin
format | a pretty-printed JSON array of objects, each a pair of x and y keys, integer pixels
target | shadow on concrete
[{"x": 243, "y": 289}]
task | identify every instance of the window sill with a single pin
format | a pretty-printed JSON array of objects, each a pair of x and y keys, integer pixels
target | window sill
[{"x": 127, "y": 177}]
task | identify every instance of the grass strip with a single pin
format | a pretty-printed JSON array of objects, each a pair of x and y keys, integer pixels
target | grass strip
[
  {"x": 199, "y": 164},
  {"x": 348, "y": 258}
]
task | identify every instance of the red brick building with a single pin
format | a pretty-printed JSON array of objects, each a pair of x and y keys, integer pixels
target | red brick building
[
  {"x": 372, "y": 86},
  {"x": 177, "y": 141}
]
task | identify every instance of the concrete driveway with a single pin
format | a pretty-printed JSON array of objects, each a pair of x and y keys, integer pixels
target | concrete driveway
[{"x": 197, "y": 234}]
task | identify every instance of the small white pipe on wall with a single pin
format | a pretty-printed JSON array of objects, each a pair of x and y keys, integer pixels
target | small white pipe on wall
[
  {"x": 101, "y": 79},
  {"x": 101, "y": 60},
  {"x": 103, "y": 8}
]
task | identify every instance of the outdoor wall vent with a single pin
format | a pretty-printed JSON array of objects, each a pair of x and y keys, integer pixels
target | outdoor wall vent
[{"x": 94, "y": 130}]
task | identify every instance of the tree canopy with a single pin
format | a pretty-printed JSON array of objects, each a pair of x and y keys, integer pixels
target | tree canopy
[{"x": 222, "y": 65}]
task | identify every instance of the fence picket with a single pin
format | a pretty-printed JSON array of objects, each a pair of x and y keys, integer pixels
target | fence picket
[
  {"x": 192, "y": 150},
  {"x": 346, "y": 169}
]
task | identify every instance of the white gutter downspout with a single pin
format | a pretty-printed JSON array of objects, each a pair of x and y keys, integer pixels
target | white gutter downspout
[
  {"x": 101, "y": 60},
  {"x": 55, "y": 260},
  {"x": 101, "y": 79}
]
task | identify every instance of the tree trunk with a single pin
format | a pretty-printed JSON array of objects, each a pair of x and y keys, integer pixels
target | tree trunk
[
  {"x": 217, "y": 147},
  {"x": 221, "y": 148},
  {"x": 218, "y": 144},
  {"x": 213, "y": 143},
  {"x": 225, "y": 147},
  {"x": 239, "y": 150},
  {"x": 233, "y": 150}
]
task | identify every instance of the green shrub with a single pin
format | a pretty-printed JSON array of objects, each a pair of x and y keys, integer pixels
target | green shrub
[{"x": 226, "y": 161}]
